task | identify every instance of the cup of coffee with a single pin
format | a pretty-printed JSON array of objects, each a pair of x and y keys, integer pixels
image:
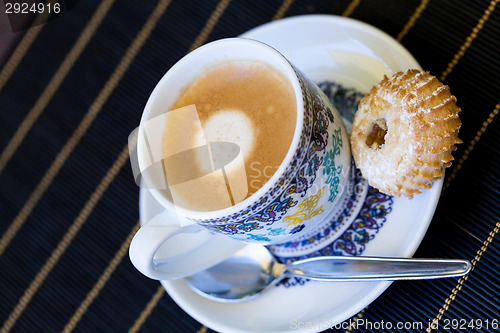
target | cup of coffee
[{"x": 235, "y": 142}]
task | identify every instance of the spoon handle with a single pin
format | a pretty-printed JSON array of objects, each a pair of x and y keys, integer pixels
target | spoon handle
[{"x": 374, "y": 268}]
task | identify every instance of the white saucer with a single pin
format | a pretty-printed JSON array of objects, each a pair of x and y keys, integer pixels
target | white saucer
[{"x": 356, "y": 55}]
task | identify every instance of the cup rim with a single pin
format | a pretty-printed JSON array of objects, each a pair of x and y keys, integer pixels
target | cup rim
[{"x": 279, "y": 62}]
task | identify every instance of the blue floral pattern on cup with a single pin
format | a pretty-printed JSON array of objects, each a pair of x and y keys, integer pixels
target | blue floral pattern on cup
[{"x": 364, "y": 226}]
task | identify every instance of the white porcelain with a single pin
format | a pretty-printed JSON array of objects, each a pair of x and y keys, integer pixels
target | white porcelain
[
  {"x": 300, "y": 195},
  {"x": 357, "y": 55}
]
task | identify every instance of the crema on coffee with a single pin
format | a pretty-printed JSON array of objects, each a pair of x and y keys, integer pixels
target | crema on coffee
[{"x": 247, "y": 103}]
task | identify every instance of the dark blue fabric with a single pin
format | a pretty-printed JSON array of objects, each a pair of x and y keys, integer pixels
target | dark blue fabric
[{"x": 466, "y": 214}]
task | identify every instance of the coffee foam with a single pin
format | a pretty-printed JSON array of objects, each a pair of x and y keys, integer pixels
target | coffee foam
[
  {"x": 230, "y": 126},
  {"x": 247, "y": 103}
]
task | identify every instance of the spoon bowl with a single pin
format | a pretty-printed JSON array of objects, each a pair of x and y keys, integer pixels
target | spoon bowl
[{"x": 254, "y": 269}]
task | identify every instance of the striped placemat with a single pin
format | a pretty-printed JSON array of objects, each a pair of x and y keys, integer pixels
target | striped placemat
[{"x": 72, "y": 90}]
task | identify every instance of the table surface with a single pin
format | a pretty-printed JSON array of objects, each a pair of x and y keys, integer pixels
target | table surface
[{"x": 72, "y": 90}]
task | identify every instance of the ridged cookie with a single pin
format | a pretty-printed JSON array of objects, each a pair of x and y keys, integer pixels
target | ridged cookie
[{"x": 404, "y": 133}]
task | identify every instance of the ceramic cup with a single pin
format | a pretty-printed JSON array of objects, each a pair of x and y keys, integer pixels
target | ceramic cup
[{"x": 304, "y": 190}]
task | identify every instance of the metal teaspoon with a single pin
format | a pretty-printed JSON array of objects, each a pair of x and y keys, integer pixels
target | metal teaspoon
[{"x": 254, "y": 269}]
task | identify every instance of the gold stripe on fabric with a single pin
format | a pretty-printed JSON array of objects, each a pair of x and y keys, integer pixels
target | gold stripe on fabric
[
  {"x": 147, "y": 311},
  {"x": 110, "y": 85},
  {"x": 203, "y": 35},
  {"x": 101, "y": 282},
  {"x": 282, "y": 10},
  {"x": 468, "y": 41},
  {"x": 455, "y": 223},
  {"x": 82, "y": 128},
  {"x": 462, "y": 280},
  {"x": 411, "y": 22},
  {"x": 356, "y": 319},
  {"x": 203, "y": 329},
  {"x": 66, "y": 241},
  {"x": 18, "y": 54},
  {"x": 210, "y": 25},
  {"x": 23, "y": 46},
  {"x": 96, "y": 289},
  {"x": 471, "y": 146},
  {"x": 352, "y": 6},
  {"x": 54, "y": 83}
]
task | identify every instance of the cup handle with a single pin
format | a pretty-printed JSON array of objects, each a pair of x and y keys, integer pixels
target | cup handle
[{"x": 185, "y": 250}]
